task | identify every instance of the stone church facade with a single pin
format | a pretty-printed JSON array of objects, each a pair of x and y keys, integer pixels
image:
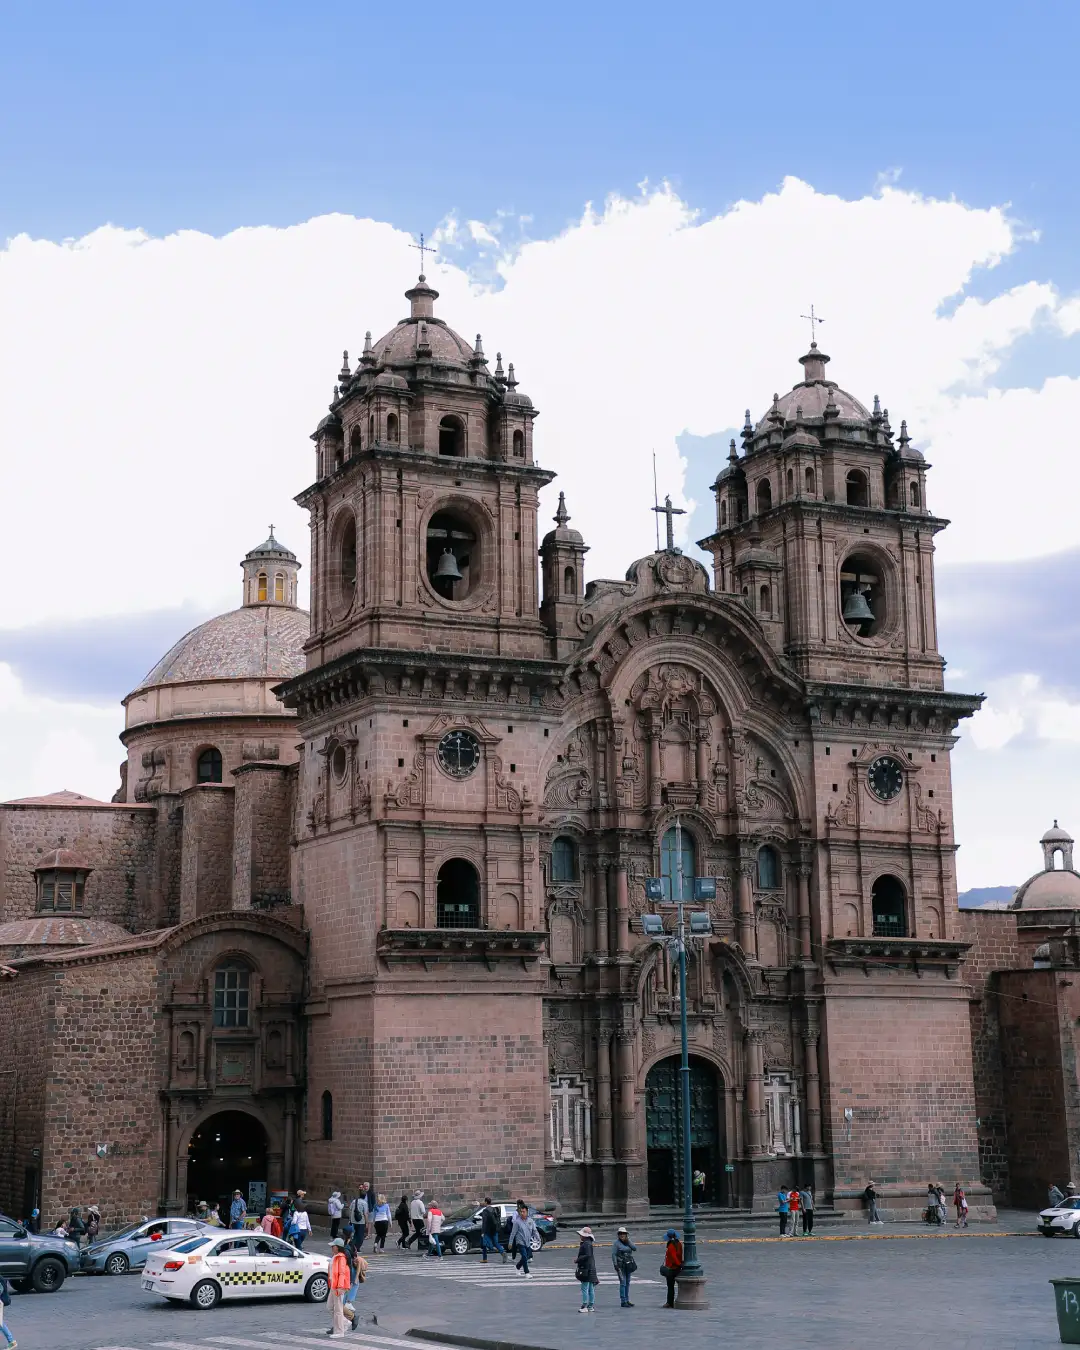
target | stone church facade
[{"x": 392, "y": 924}]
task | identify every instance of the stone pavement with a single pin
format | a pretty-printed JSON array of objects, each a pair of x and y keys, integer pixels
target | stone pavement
[{"x": 889, "y": 1289}]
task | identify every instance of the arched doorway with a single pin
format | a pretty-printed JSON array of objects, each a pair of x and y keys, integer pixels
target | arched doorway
[
  {"x": 664, "y": 1131},
  {"x": 227, "y": 1152}
]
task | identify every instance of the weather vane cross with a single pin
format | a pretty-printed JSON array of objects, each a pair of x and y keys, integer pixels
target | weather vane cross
[
  {"x": 811, "y": 318},
  {"x": 423, "y": 248},
  {"x": 668, "y": 511}
]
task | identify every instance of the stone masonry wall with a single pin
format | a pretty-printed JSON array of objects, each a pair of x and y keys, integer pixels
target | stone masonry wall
[
  {"x": 117, "y": 842},
  {"x": 261, "y": 833},
  {"x": 24, "y": 1026},
  {"x": 207, "y": 866},
  {"x": 993, "y": 936}
]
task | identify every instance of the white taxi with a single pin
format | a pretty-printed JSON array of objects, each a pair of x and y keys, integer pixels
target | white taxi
[{"x": 209, "y": 1267}]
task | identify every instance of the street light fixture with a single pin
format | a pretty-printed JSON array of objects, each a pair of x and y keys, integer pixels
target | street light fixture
[{"x": 691, "y": 1277}]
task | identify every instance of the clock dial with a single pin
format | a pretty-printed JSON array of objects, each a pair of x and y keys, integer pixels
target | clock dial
[
  {"x": 459, "y": 753},
  {"x": 886, "y": 777}
]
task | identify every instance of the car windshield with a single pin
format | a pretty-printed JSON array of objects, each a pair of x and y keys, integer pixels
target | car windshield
[
  {"x": 191, "y": 1245},
  {"x": 465, "y": 1212},
  {"x": 123, "y": 1233}
]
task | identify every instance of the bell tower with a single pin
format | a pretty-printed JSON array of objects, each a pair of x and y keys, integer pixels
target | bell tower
[{"x": 423, "y": 512}]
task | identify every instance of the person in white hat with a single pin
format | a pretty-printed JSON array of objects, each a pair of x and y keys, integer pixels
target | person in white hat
[{"x": 585, "y": 1270}]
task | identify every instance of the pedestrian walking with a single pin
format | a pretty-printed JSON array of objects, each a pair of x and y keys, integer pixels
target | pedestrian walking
[
  {"x": 237, "y": 1210},
  {"x": 585, "y": 1269},
  {"x": 697, "y": 1186},
  {"x": 360, "y": 1216},
  {"x": 5, "y": 1303},
  {"x": 622, "y": 1258},
  {"x": 266, "y": 1223},
  {"x": 783, "y": 1208},
  {"x": 93, "y": 1224},
  {"x": 871, "y": 1197},
  {"x": 381, "y": 1216},
  {"x": 522, "y": 1236},
  {"x": 793, "y": 1205},
  {"x": 340, "y": 1282},
  {"x": 433, "y": 1223},
  {"x": 673, "y": 1263},
  {"x": 418, "y": 1219},
  {"x": 490, "y": 1221},
  {"x": 75, "y": 1226},
  {"x": 806, "y": 1206},
  {"x": 1054, "y": 1197},
  {"x": 358, "y": 1268},
  {"x": 303, "y": 1226},
  {"x": 335, "y": 1207},
  {"x": 959, "y": 1199},
  {"x": 401, "y": 1214}
]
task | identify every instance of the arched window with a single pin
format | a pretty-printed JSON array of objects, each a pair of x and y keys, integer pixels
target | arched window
[
  {"x": 858, "y": 490},
  {"x": 454, "y": 555},
  {"x": 208, "y": 766},
  {"x": 371, "y": 429},
  {"x": 327, "y": 1116},
  {"x": 279, "y": 586},
  {"x": 185, "y": 1050},
  {"x": 669, "y": 865},
  {"x": 766, "y": 601},
  {"x": 564, "y": 865},
  {"x": 889, "y": 905},
  {"x": 768, "y": 869},
  {"x": 457, "y": 895},
  {"x": 764, "y": 496},
  {"x": 740, "y": 511},
  {"x": 262, "y": 592},
  {"x": 354, "y": 442},
  {"x": 791, "y": 482},
  {"x": 346, "y": 561},
  {"x": 392, "y": 428},
  {"x": 569, "y": 582},
  {"x": 863, "y": 592},
  {"x": 723, "y": 513},
  {"x": 519, "y": 444},
  {"x": 451, "y": 436},
  {"x": 232, "y": 991},
  {"x": 809, "y": 477},
  {"x": 915, "y": 495}
]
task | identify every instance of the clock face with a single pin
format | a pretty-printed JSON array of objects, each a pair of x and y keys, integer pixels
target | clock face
[
  {"x": 886, "y": 777},
  {"x": 459, "y": 753}
]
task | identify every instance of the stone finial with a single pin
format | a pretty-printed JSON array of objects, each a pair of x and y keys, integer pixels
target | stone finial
[
  {"x": 368, "y": 356},
  {"x": 904, "y": 438},
  {"x": 747, "y": 424},
  {"x": 561, "y": 516},
  {"x": 831, "y": 407},
  {"x": 775, "y": 415},
  {"x": 344, "y": 374},
  {"x": 885, "y": 422},
  {"x": 511, "y": 382},
  {"x": 500, "y": 375},
  {"x": 478, "y": 352},
  {"x": 335, "y": 395},
  {"x": 877, "y": 409},
  {"x": 798, "y": 413},
  {"x": 732, "y": 454},
  {"x": 421, "y": 298}
]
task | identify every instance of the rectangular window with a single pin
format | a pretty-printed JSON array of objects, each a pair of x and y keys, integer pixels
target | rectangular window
[
  {"x": 48, "y": 894},
  {"x": 231, "y": 997},
  {"x": 64, "y": 892}
]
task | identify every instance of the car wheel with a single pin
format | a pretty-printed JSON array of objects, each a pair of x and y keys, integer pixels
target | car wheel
[
  {"x": 117, "y": 1264},
  {"x": 536, "y": 1243},
  {"x": 317, "y": 1289},
  {"x": 206, "y": 1294},
  {"x": 459, "y": 1244},
  {"x": 48, "y": 1275},
  {"x": 1076, "y": 1229},
  {"x": 22, "y": 1286}
]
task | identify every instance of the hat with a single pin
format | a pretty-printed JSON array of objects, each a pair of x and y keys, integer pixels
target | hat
[
  {"x": 623, "y": 1230},
  {"x": 417, "y": 1194},
  {"x": 671, "y": 1235},
  {"x": 338, "y": 1242},
  {"x": 238, "y": 1191},
  {"x": 585, "y": 1232}
]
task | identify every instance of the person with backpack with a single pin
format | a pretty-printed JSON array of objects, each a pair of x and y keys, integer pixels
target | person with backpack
[
  {"x": 93, "y": 1224},
  {"x": 340, "y": 1280},
  {"x": 359, "y": 1268},
  {"x": 401, "y": 1216},
  {"x": 622, "y": 1258},
  {"x": 302, "y": 1221},
  {"x": 673, "y": 1263},
  {"x": 585, "y": 1270},
  {"x": 522, "y": 1236},
  {"x": 489, "y": 1231},
  {"x": 359, "y": 1216},
  {"x": 75, "y": 1226},
  {"x": 434, "y": 1222},
  {"x": 806, "y": 1203},
  {"x": 334, "y": 1209},
  {"x": 418, "y": 1219}
]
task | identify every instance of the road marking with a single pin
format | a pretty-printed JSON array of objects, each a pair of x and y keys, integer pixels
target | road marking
[
  {"x": 179, "y": 1345},
  {"x": 383, "y": 1340}
]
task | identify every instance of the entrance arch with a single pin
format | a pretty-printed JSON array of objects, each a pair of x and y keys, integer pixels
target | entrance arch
[
  {"x": 227, "y": 1152},
  {"x": 664, "y": 1131}
]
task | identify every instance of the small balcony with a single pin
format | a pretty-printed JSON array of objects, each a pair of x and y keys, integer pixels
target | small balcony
[{"x": 438, "y": 946}]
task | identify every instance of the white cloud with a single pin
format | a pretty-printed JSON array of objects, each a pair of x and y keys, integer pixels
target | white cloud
[{"x": 156, "y": 395}]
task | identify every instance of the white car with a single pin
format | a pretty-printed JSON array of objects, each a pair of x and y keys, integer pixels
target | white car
[
  {"x": 207, "y": 1268},
  {"x": 1063, "y": 1218}
]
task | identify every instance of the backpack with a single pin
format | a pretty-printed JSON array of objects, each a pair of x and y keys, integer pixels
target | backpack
[{"x": 359, "y": 1211}]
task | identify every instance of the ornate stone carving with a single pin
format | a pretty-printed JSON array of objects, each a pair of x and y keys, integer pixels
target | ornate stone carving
[
  {"x": 926, "y": 818},
  {"x": 845, "y": 812},
  {"x": 569, "y": 782},
  {"x": 410, "y": 791}
]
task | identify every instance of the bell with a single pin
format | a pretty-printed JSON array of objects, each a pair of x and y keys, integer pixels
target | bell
[
  {"x": 447, "y": 569},
  {"x": 856, "y": 610}
]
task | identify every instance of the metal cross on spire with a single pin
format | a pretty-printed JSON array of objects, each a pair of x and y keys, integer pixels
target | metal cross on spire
[
  {"x": 811, "y": 318},
  {"x": 668, "y": 511},
  {"x": 271, "y": 531},
  {"x": 423, "y": 248}
]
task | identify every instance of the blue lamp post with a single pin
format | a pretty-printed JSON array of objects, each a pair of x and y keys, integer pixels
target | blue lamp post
[{"x": 692, "y": 1278}]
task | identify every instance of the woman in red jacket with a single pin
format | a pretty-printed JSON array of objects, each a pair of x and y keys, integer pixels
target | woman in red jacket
[
  {"x": 672, "y": 1264},
  {"x": 340, "y": 1283}
]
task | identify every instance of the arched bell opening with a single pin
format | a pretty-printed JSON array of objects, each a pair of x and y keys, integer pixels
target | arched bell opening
[
  {"x": 452, "y": 436},
  {"x": 453, "y": 555},
  {"x": 888, "y": 901},
  {"x": 863, "y": 595},
  {"x": 457, "y": 895}
]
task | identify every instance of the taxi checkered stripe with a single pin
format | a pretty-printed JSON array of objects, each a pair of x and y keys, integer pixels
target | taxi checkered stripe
[{"x": 261, "y": 1276}]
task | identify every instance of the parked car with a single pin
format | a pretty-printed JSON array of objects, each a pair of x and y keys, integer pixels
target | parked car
[
  {"x": 128, "y": 1249},
  {"x": 38, "y": 1261},
  {"x": 206, "y": 1268},
  {"x": 1063, "y": 1218},
  {"x": 461, "y": 1233}
]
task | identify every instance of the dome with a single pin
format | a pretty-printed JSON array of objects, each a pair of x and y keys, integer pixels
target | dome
[
  {"x": 422, "y": 336},
  {"x": 271, "y": 548},
  {"x": 1056, "y": 835},
  {"x": 813, "y": 394},
  {"x": 69, "y": 931},
  {"x": 255, "y": 642},
  {"x": 1056, "y": 889}
]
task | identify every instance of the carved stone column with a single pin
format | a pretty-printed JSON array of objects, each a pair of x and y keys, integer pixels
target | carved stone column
[
  {"x": 627, "y": 1096},
  {"x": 804, "y": 912},
  {"x": 605, "y": 1151},
  {"x": 813, "y": 1089},
  {"x": 622, "y": 909},
  {"x": 745, "y": 912},
  {"x": 600, "y": 908},
  {"x": 754, "y": 1102},
  {"x": 655, "y": 772},
  {"x": 702, "y": 768}
]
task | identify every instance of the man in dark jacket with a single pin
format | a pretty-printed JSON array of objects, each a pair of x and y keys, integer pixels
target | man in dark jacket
[
  {"x": 489, "y": 1231},
  {"x": 622, "y": 1258},
  {"x": 585, "y": 1270}
]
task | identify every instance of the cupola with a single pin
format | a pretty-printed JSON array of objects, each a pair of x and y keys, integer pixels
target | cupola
[{"x": 270, "y": 574}]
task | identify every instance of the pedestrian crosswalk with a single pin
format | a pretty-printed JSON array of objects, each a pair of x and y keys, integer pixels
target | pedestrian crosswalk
[
  {"x": 276, "y": 1340},
  {"x": 495, "y": 1275}
]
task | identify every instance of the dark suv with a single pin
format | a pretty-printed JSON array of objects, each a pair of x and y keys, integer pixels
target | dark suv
[{"x": 37, "y": 1261}]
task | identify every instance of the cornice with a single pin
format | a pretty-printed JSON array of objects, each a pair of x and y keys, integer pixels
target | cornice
[{"x": 432, "y": 466}]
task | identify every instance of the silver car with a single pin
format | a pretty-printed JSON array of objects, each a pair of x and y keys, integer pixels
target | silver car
[{"x": 128, "y": 1249}]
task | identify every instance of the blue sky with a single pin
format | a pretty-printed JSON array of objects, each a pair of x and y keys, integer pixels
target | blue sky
[{"x": 932, "y": 222}]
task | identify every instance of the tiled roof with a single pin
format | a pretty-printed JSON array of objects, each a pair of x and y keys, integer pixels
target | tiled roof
[
  {"x": 69, "y": 931},
  {"x": 64, "y": 798},
  {"x": 446, "y": 346},
  {"x": 255, "y": 642}
]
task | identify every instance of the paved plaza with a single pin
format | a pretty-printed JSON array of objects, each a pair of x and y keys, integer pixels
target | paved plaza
[{"x": 985, "y": 1289}]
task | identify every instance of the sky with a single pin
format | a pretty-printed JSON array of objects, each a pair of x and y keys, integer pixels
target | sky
[{"x": 202, "y": 205}]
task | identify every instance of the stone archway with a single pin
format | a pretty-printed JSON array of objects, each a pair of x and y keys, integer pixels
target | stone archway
[
  {"x": 664, "y": 1131},
  {"x": 227, "y": 1151}
]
